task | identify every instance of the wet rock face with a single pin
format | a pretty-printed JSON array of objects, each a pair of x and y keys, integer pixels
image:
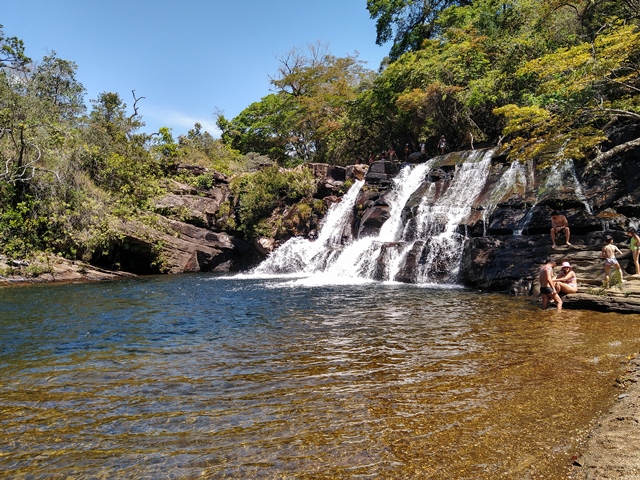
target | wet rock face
[
  {"x": 507, "y": 263},
  {"x": 381, "y": 172},
  {"x": 372, "y": 220},
  {"x": 507, "y": 229}
]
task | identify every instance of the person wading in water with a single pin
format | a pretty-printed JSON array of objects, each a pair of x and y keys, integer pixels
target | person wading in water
[{"x": 546, "y": 286}]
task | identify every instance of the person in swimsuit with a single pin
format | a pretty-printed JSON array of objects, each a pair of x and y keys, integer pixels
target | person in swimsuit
[
  {"x": 442, "y": 144},
  {"x": 559, "y": 223},
  {"x": 634, "y": 246},
  {"x": 566, "y": 281},
  {"x": 547, "y": 288},
  {"x": 609, "y": 254}
]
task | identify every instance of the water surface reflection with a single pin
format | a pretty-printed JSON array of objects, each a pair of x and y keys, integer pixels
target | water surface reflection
[{"x": 215, "y": 376}]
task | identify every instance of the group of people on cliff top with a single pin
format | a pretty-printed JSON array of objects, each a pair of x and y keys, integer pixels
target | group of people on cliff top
[
  {"x": 566, "y": 281},
  {"x": 391, "y": 154}
]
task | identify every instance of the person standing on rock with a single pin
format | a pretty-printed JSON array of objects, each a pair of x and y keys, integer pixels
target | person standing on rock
[
  {"x": 609, "y": 254},
  {"x": 566, "y": 281},
  {"x": 634, "y": 246},
  {"x": 547, "y": 288},
  {"x": 442, "y": 145},
  {"x": 559, "y": 223}
]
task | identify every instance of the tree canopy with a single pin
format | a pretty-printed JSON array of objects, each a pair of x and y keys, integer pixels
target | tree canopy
[
  {"x": 535, "y": 74},
  {"x": 549, "y": 79},
  {"x": 297, "y": 121}
]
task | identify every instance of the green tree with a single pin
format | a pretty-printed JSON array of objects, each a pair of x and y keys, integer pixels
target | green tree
[
  {"x": 12, "y": 52},
  {"x": 115, "y": 154},
  {"x": 262, "y": 127},
  {"x": 407, "y": 22},
  {"x": 313, "y": 91},
  {"x": 580, "y": 90}
]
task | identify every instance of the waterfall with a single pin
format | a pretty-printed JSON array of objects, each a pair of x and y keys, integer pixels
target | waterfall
[
  {"x": 564, "y": 173},
  {"x": 437, "y": 222},
  {"x": 578, "y": 186},
  {"x": 514, "y": 175},
  {"x": 361, "y": 258},
  {"x": 299, "y": 255},
  {"x": 524, "y": 223},
  {"x": 434, "y": 234},
  {"x": 560, "y": 174}
]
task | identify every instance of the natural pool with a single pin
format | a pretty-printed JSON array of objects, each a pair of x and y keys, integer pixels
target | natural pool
[{"x": 208, "y": 376}]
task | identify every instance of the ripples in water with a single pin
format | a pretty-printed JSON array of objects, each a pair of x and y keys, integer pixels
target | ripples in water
[{"x": 264, "y": 378}]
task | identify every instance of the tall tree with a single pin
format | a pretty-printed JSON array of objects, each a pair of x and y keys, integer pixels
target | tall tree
[
  {"x": 313, "y": 90},
  {"x": 407, "y": 23}
]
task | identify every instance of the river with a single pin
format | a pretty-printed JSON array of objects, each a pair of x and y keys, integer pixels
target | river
[{"x": 243, "y": 377}]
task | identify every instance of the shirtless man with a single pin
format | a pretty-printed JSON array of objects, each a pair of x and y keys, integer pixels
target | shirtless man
[
  {"x": 609, "y": 254},
  {"x": 546, "y": 285},
  {"x": 559, "y": 224}
]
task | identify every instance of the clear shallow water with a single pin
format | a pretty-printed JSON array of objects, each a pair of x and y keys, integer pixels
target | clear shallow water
[{"x": 205, "y": 376}]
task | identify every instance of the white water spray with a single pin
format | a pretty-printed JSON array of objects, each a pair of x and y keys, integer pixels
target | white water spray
[{"x": 382, "y": 257}]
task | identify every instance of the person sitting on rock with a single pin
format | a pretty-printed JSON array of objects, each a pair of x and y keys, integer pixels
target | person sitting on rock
[
  {"x": 566, "y": 281},
  {"x": 559, "y": 223},
  {"x": 609, "y": 254}
]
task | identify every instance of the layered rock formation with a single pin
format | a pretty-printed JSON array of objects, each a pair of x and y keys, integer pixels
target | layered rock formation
[
  {"x": 507, "y": 231},
  {"x": 189, "y": 230}
]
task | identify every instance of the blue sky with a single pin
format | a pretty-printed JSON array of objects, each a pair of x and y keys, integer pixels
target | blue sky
[{"x": 188, "y": 58}]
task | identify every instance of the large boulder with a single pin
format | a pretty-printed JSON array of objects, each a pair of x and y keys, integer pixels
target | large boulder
[
  {"x": 175, "y": 247},
  {"x": 372, "y": 220},
  {"x": 197, "y": 210},
  {"x": 329, "y": 178},
  {"x": 381, "y": 172}
]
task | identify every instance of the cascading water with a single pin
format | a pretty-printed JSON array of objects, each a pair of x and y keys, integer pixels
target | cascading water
[
  {"x": 299, "y": 255},
  {"x": 512, "y": 177},
  {"x": 561, "y": 174},
  {"x": 362, "y": 258},
  {"x": 381, "y": 257},
  {"x": 438, "y": 221}
]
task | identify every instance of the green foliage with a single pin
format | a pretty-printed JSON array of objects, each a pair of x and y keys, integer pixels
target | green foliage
[
  {"x": 166, "y": 150},
  {"x": 550, "y": 78},
  {"x": 200, "y": 148},
  {"x": 406, "y": 22},
  {"x": 576, "y": 89},
  {"x": 12, "y": 52},
  {"x": 20, "y": 230},
  {"x": 313, "y": 91},
  {"x": 258, "y": 194},
  {"x": 36, "y": 269}
]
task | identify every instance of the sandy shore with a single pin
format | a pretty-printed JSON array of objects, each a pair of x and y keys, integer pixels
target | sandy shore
[{"x": 612, "y": 450}]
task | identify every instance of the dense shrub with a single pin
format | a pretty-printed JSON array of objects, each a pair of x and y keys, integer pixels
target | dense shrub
[{"x": 258, "y": 194}]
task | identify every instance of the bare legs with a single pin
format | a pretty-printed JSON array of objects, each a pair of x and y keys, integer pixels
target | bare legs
[
  {"x": 553, "y": 296},
  {"x": 565, "y": 230},
  {"x": 607, "y": 269},
  {"x": 565, "y": 288}
]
